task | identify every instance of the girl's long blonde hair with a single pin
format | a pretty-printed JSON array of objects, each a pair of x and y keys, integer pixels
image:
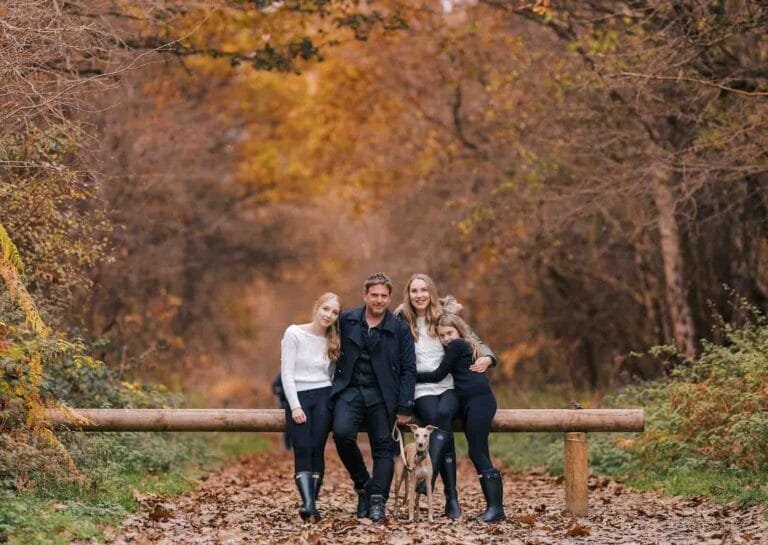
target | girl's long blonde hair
[
  {"x": 434, "y": 310},
  {"x": 455, "y": 321},
  {"x": 333, "y": 333}
]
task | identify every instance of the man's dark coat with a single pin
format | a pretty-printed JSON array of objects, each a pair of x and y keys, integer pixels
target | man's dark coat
[{"x": 393, "y": 361}]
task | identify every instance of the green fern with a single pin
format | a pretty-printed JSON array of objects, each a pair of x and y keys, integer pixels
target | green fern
[
  {"x": 11, "y": 269},
  {"x": 10, "y": 252}
]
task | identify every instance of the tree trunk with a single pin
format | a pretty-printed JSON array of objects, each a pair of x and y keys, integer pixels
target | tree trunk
[
  {"x": 750, "y": 228},
  {"x": 672, "y": 256}
]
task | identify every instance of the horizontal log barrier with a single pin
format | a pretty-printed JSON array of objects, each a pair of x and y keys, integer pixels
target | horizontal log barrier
[
  {"x": 506, "y": 420},
  {"x": 573, "y": 422}
]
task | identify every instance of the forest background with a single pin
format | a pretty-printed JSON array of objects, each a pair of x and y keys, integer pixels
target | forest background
[{"x": 180, "y": 180}]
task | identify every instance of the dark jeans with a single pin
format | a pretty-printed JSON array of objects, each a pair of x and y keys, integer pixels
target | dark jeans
[
  {"x": 440, "y": 411},
  {"x": 349, "y": 415},
  {"x": 477, "y": 413},
  {"x": 309, "y": 438}
]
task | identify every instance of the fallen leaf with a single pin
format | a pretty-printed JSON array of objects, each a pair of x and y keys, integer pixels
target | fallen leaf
[
  {"x": 255, "y": 501},
  {"x": 577, "y": 530},
  {"x": 529, "y": 518},
  {"x": 159, "y": 512}
]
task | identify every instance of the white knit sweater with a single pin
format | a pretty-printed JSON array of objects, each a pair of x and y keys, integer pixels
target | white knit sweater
[
  {"x": 304, "y": 363},
  {"x": 429, "y": 354}
]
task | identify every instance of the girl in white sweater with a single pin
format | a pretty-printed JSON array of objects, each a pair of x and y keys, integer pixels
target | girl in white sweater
[{"x": 308, "y": 352}]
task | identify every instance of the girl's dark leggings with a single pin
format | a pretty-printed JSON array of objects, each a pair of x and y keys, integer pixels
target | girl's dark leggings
[
  {"x": 477, "y": 413},
  {"x": 308, "y": 439}
]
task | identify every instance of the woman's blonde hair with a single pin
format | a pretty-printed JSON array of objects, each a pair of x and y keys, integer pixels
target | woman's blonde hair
[
  {"x": 333, "y": 333},
  {"x": 455, "y": 321},
  {"x": 434, "y": 310}
]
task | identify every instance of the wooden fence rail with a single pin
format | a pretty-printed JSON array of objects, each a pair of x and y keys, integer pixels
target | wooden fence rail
[{"x": 574, "y": 423}]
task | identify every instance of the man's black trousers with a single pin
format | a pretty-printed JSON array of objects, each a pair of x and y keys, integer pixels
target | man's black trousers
[{"x": 350, "y": 413}]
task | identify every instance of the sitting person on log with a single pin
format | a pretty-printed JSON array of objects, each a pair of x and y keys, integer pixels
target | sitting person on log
[
  {"x": 477, "y": 405},
  {"x": 436, "y": 403}
]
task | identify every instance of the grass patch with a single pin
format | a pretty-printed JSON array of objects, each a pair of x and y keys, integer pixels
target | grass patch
[
  {"x": 113, "y": 466},
  {"x": 694, "y": 478},
  {"x": 233, "y": 445},
  {"x": 721, "y": 486},
  {"x": 525, "y": 451}
]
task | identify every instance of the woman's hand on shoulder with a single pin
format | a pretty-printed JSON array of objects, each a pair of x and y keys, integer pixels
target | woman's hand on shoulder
[{"x": 298, "y": 415}]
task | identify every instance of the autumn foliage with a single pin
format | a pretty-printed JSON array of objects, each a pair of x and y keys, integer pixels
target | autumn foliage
[{"x": 181, "y": 180}]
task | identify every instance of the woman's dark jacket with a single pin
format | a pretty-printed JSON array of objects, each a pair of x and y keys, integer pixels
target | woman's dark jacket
[{"x": 393, "y": 360}]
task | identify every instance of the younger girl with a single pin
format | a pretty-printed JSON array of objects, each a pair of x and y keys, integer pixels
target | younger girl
[
  {"x": 477, "y": 405},
  {"x": 308, "y": 352}
]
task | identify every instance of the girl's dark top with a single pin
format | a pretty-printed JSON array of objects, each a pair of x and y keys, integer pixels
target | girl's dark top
[{"x": 458, "y": 357}]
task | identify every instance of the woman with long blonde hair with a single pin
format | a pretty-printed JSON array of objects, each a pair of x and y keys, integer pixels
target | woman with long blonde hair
[
  {"x": 435, "y": 402},
  {"x": 308, "y": 352}
]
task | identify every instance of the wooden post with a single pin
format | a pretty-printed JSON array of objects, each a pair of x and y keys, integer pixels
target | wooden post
[{"x": 575, "y": 468}]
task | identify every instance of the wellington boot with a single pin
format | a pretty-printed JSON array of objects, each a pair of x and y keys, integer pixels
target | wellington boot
[
  {"x": 317, "y": 482},
  {"x": 307, "y": 492},
  {"x": 448, "y": 474},
  {"x": 493, "y": 490}
]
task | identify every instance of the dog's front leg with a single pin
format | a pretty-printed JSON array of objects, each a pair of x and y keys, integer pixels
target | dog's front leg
[
  {"x": 411, "y": 488},
  {"x": 429, "y": 495},
  {"x": 416, "y": 498}
]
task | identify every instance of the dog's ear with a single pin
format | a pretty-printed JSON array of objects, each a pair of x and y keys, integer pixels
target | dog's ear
[
  {"x": 431, "y": 428},
  {"x": 413, "y": 427}
]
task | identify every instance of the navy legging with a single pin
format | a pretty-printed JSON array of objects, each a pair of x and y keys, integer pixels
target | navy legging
[
  {"x": 309, "y": 438},
  {"x": 477, "y": 413}
]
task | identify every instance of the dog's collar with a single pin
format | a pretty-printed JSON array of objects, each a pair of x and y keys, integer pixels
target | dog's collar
[{"x": 420, "y": 457}]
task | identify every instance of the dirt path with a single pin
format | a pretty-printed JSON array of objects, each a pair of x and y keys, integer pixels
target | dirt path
[{"x": 255, "y": 501}]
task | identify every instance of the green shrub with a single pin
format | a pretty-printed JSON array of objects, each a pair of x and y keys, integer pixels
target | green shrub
[
  {"x": 712, "y": 411},
  {"x": 706, "y": 425}
]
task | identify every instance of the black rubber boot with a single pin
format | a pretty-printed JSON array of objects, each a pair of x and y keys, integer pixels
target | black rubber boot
[
  {"x": 493, "y": 490},
  {"x": 448, "y": 474},
  {"x": 377, "y": 508},
  {"x": 317, "y": 481},
  {"x": 438, "y": 442},
  {"x": 363, "y": 505},
  {"x": 307, "y": 491}
]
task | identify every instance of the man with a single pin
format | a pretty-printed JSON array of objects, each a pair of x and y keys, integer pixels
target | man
[{"x": 374, "y": 384}]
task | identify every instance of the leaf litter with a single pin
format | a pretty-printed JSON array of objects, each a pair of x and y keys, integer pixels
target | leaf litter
[{"x": 255, "y": 501}]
